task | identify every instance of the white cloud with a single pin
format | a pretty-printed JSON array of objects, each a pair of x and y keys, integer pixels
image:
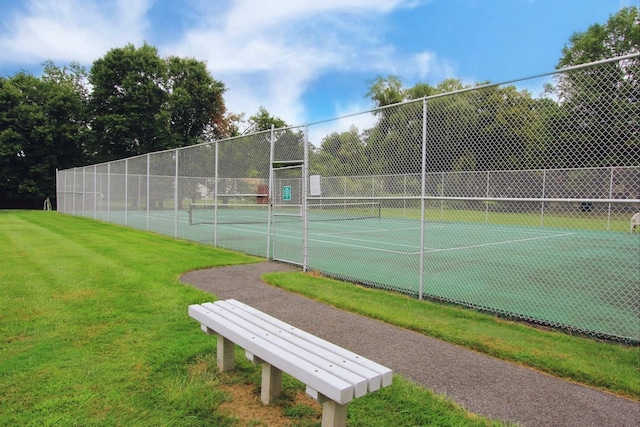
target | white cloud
[
  {"x": 429, "y": 65},
  {"x": 71, "y": 30},
  {"x": 266, "y": 52}
]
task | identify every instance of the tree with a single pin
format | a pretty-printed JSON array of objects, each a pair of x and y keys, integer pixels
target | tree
[
  {"x": 263, "y": 120},
  {"x": 619, "y": 36},
  {"x": 43, "y": 126},
  {"x": 195, "y": 104},
  {"x": 127, "y": 102},
  {"x": 600, "y": 104},
  {"x": 385, "y": 91},
  {"x": 142, "y": 103},
  {"x": 345, "y": 154}
]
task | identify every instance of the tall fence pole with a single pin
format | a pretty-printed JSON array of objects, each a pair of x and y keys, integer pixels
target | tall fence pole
[
  {"x": 95, "y": 192},
  {"x": 175, "y": 198},
  {"x": 544, "y": 192},
  {"x": 423, "y": 195},
  {"x": 305, "y": 190},
  {"x": 73, "y": 200},
  {"x": 486, "y": 203},
  {"x": 271, "y": 193},
  {"x": 109, "y": 192},
  {"x": 126, "y": 192},
  {"x": 84, "y": 183},
  {"x": 610, "y": 197},
  {"x": 148, "y": 187},
  {"x": 215, "y": 196}
]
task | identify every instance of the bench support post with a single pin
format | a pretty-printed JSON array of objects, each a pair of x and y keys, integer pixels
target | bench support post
[
  {"x": 333, "y": 413},
  {"x": 271, "y": 387},
  {"x": 226, "y": 354}
]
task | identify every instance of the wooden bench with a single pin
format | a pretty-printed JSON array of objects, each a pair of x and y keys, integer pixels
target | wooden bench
[{"x": 333, "y": 375}]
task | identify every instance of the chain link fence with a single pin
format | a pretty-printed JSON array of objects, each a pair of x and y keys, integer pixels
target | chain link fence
[{"x": 513, "y": 198}]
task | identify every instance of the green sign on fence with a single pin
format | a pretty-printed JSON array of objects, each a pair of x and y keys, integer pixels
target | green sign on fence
[{"x": 286, "y": 193}]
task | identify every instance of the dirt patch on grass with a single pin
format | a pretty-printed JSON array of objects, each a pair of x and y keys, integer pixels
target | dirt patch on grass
[{"x": 246, "y": 407}]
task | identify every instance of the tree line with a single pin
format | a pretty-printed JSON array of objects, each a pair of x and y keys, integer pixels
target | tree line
[
  {"x": 587, "y": 117},
  {"x": 132, "y": 102}
]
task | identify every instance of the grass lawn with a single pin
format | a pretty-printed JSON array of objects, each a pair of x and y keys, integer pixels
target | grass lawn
[
  {"x": 609, "y": 366},
  {"x": 94, "y": 331}
]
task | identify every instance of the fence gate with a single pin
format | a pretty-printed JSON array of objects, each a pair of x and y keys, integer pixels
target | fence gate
[{"x": 287, "y": 230}]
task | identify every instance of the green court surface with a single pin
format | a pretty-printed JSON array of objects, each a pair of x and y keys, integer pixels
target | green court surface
[{"x": 578, "y": 279}]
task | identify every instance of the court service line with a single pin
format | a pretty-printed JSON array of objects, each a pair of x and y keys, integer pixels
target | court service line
[
  {"x": 497, "y": 243},
  {"x": 365, "y": 247},
  {"x": 506, "y": 230},
  {"x": 369, "y": 230},
  {"x": 370, "y": 241},
  {"x": 332, "y": 235}
]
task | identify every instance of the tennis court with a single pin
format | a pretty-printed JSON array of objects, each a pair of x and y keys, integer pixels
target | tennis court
[
  {"x": 527, "y": 218},
  {"x": 548, "y": 275}
]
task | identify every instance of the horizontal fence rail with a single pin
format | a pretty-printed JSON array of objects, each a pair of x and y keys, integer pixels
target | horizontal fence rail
[{"x": 514, "y": 198}]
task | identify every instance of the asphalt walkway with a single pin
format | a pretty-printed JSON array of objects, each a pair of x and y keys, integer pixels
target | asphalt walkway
[{"x": 481, "y": 384}]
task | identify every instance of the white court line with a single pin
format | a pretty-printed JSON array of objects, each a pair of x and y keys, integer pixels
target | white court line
[
  {"x": 370, "y": 241},
  {"x": 506, "y": 242},
  {"x": 506, "y": 230},
  {"x": 369, "y": 230},
  {"x": 365, "y": 247},
  {"x": 297, "y": 237}
]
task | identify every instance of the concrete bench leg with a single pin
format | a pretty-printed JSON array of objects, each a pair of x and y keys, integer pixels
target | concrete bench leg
[
  {"x": 271, "y": 387},
  {"x": 226, "y": 354},
  {"x": 333, "y": 414}
]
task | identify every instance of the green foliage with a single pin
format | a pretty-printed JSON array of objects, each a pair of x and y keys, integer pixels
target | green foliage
[
  {"x": 599, "y": 105},
  {"x": 42, "y": 127},
  {"x": 262, "y": 120},
  {"x": 131, "y": 102},
  {"x": 385, "y": 91},
  {"x": 585, "y": 119},
  {"x": 142, "y": 103},
  {"x": 619, "y": 36},
  {"x": 345, "y": 153}
]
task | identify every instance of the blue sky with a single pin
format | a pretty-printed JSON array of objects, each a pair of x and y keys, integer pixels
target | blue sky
[{"x": 306, "y": 60}]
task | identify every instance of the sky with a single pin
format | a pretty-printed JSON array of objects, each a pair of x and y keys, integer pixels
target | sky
[{"x": 306, "y": 60}]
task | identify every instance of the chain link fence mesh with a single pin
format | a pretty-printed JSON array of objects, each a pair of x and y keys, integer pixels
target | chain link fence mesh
[{"x": 513, "y": 198}]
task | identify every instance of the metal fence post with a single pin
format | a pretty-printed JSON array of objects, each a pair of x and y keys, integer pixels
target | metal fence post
[
  {"x": 215, "y": 195},
  {"x": 305, "y": 194},
  {"x": 422, "y": 196},
  {"x": 175, "y": 198},
  {"x": 126, "y": 192},
  {"x": 109, "y": 192},
  {"x": 271, "y": 193},
  {"x": 148, "y": 187}
]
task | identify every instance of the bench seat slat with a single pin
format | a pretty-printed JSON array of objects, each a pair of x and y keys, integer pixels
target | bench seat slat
[
  {"x": 373, "y": 379},
  {"x": 324, "y": 381},
  {"x": 386, "y": 374}
]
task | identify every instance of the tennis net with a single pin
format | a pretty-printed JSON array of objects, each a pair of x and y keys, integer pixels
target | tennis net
[
  {"x": 210, "y": 213},
  {"x": 344, "y": 211}
]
